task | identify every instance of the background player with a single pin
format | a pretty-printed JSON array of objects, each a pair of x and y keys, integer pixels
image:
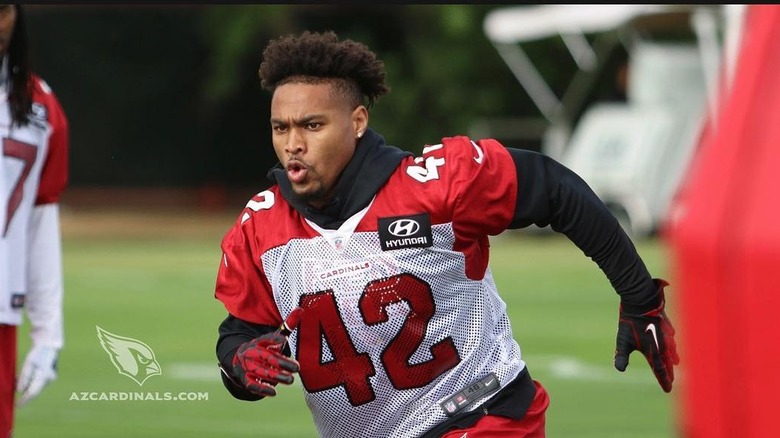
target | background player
[
  {"x": 33, "y": 174},
  {"x": 402, "y": 331}
]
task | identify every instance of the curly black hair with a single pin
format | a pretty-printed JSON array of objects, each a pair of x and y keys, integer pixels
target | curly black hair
[{"x": 313, "y": 57}]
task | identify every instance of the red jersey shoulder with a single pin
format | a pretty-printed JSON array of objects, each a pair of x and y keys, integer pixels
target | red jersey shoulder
[
  {"x": 460, "y": 180},
  {"x": 271, "y": 221},
  {"x": 428, "y": 177},
  {"x": 48, "y": 113},
  {"x": 46, "y": 105},
  {"x": 455, "y": 158},
  {"x": 261, "y": 205}
]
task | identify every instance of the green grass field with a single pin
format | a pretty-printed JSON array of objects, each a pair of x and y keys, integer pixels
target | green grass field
[{"x": 141, "y": 280}]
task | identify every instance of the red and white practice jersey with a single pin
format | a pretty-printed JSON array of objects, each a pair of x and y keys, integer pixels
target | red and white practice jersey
[
  {"x": 400, "y": 308},
  {"x": 33, "y": 172}
]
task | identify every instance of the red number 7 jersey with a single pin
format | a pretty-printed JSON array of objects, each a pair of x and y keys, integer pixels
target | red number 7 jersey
[
  {"x": 400, "y": 308},
  {"x": 33, "y": 171}
]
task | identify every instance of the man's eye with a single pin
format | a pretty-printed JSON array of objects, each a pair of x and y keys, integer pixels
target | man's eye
[
  {"x": 279, "y": 128},
  {"x": 313, "y": 125}
]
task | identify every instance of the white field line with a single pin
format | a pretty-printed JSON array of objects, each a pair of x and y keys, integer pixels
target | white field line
[
  {"x": 572, "y": 368},
  {"x": 561, "y": 367},
  {"x": 197, "y": 372}
]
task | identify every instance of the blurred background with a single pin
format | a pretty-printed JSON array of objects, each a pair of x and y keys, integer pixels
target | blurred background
[
  {"x": 166, "y": 108},
  {"x": 168, "y": 96}
]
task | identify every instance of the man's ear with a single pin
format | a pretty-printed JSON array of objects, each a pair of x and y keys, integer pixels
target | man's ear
[{"x": 360, "y": 120}]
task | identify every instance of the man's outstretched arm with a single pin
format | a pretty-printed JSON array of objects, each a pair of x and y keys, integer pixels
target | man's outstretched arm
[{"x": 552, "y": 194}]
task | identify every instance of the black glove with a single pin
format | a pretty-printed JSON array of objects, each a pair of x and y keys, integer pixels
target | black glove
[
  {"x": 259, "y": 364},
  {"x": 653, "y": 335}
]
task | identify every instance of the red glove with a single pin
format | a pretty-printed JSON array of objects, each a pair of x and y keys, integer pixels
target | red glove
[
  {"x": 652, "y": 334},
  {"x": 260, "y": 365}
]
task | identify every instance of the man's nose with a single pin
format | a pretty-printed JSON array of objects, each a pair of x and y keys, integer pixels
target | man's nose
[{"x": 295, "y": 142}]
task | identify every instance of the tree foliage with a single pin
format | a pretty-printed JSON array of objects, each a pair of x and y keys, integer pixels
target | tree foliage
[{"x": 169, "y": 95}]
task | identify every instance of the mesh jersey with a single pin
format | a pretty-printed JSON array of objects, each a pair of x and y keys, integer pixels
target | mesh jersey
[
  {"x": 400, "y": 308},
  {"x": 33, "y": 172}
]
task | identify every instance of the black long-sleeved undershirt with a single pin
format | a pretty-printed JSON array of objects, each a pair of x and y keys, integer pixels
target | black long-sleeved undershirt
[{"x": 552, "y": 194}]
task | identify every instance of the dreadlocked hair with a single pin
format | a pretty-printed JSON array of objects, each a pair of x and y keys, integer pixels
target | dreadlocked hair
[
  {"x": 313, "y": 57},
  {"x": 20, "y": 93}
]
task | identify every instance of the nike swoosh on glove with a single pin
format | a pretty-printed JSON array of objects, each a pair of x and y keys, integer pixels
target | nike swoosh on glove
[
  {"x": 39, "y": 368},
  {"x": 652, "y": 334}
]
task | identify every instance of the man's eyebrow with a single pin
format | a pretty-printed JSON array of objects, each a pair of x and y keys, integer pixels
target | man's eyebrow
[{"x": 298, "y": 122}]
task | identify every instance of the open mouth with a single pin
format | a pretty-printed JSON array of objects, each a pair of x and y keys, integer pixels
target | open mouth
[{"x": 296, "y": 172}]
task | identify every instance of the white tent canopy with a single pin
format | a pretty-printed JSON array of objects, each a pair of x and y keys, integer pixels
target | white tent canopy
[
  {"x": 653, "y": 133},
  {"x": 509, "y": 27},
  {"x": 527, "y": 23}
]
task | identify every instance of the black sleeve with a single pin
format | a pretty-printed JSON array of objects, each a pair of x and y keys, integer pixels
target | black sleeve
[
  {"x": 549, "y": 193},
  {"x": 232, "y": 333}
]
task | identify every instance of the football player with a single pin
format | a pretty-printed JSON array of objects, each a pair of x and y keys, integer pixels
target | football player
[
  {"x": 364, "y": 269},
  {"x": 33, "y": 174}
]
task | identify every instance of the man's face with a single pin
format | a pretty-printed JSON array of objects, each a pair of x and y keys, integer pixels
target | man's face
[
  {"x": 7, "y": 23},
  {"x": 314, "y": 135}
]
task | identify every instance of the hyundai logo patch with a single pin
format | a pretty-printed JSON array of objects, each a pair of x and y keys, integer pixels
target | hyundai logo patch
[{"x": 399, "y": 232}]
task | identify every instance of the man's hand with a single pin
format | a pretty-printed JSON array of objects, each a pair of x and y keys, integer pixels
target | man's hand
[
  {"x": 40, "y": 368},
  {"x": 260, "y": 365},
  {"x": 653, "y": 335}
]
